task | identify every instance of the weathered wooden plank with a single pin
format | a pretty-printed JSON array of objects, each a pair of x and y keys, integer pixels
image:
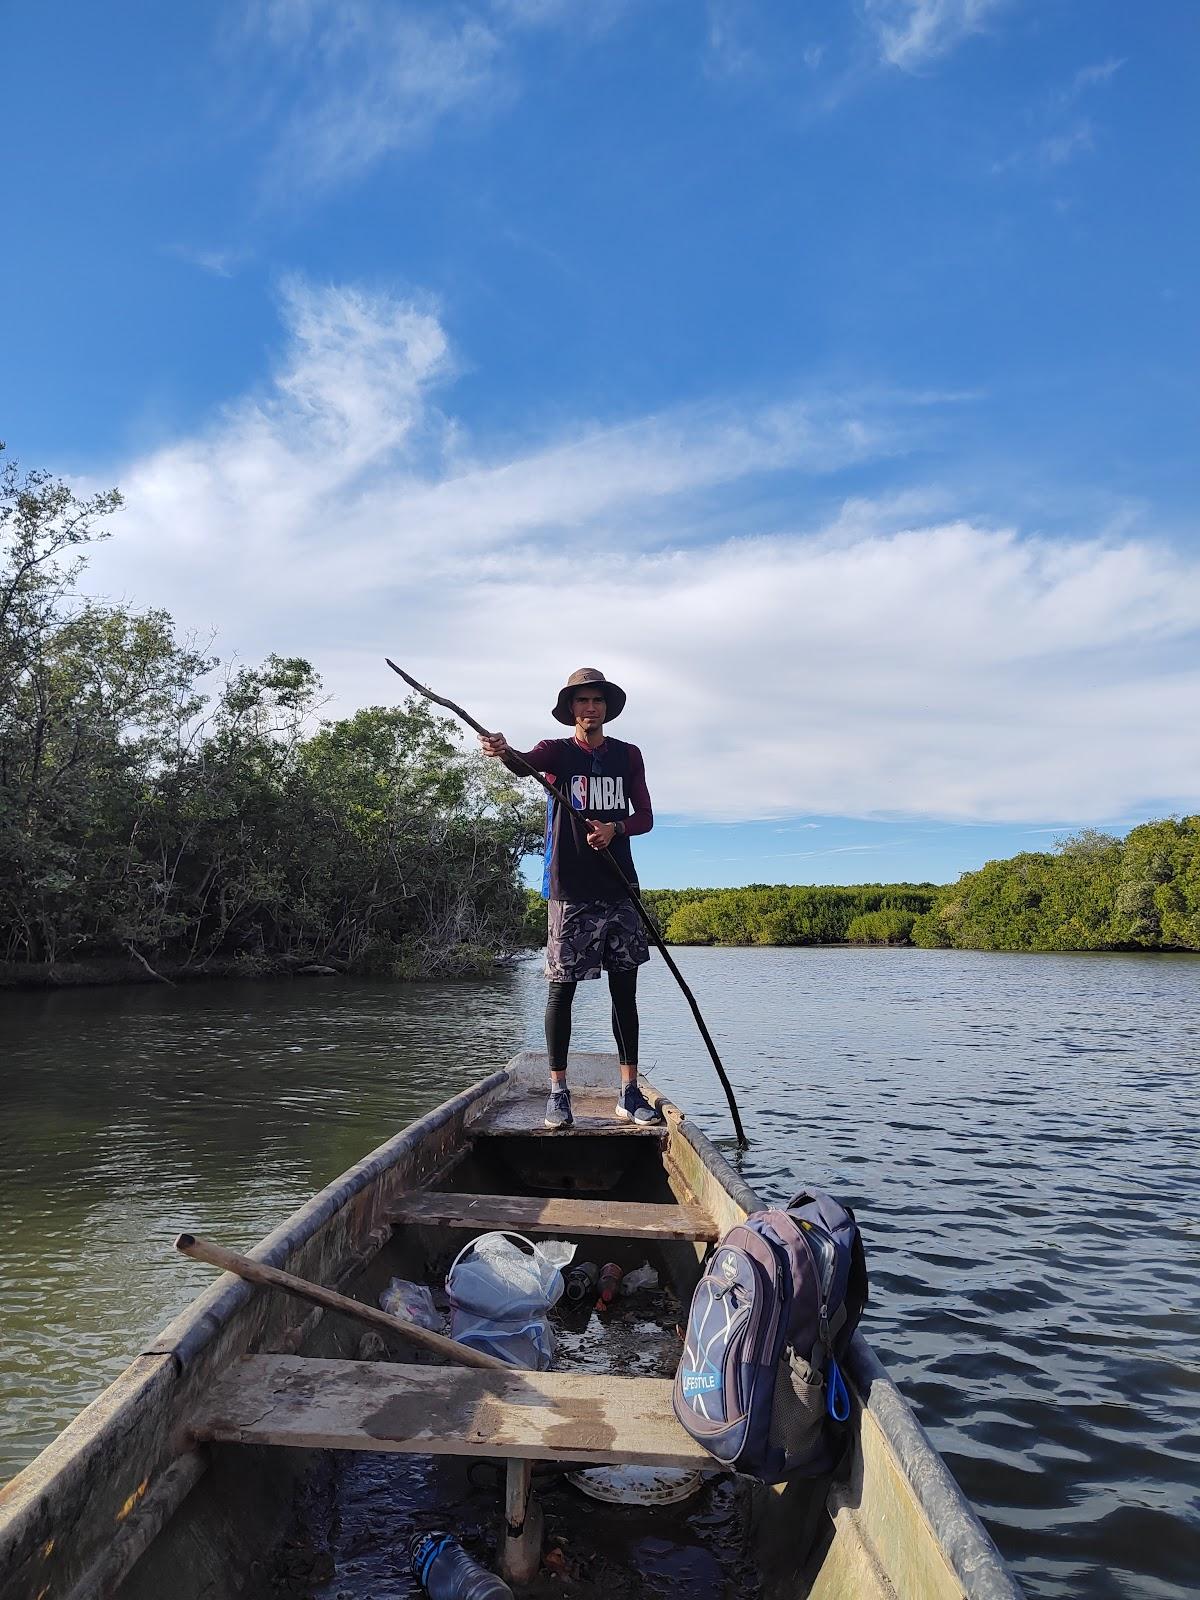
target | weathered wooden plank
[
  {"x": 616, "y": 1219},
  {"x": 360, "y": 1405},
  {"x": 525, "y": 1113},
  {"x": 155, "y": 1503},
  {"x": 695, "y": 1169},
  {"x": 901, "y": 1500},
  {"x": 95, "y": 1468}
]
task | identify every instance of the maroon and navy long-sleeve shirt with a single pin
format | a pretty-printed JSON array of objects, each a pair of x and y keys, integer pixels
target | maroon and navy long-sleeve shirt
[{"x": 609, "y": 784}]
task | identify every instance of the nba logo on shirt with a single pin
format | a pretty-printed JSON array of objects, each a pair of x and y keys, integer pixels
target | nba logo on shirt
[{"x": 579, "y": 793}]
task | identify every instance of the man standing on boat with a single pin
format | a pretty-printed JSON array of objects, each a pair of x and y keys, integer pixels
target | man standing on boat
[{"x": 591, "y": 924}]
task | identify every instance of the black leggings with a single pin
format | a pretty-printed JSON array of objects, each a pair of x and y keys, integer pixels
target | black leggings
[{"x": 622, "y": 986}]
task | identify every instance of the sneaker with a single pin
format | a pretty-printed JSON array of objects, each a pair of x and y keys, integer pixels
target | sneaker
[
  {"x": 632, "y": 1106},
  {"x": 558, "y": 1109}
]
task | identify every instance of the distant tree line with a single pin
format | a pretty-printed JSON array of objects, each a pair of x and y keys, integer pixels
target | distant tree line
[
  {"x": 776, "y": 914},
  {"x": 144, "y": 821},
  {"x": 1095, "y": 892},
  {"x": 787, "y": 914}
]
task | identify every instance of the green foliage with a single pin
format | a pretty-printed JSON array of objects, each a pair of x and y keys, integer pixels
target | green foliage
[
  {"x": 662, "y": 904},
  {"x": 137, "y": 815},
  {"x": 783, "y": 914},
  {"x": 1094, "y": 893},
  {"x": 1158, "y": 900},
  {"x": 534, "y": 925},
  {"x": 881, "y": 927}
]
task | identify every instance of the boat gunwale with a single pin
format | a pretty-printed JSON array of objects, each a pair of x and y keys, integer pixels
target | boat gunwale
[
  {"x": 203, "y": 1319},
  {"x": 969, "y": 1550},
  {"x": 149, "y": 1399}
]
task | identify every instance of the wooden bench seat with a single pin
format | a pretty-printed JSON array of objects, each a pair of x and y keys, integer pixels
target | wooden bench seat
[
  {"x": 379, "y": 1406},
  {"x": 614, "y": 1219}
]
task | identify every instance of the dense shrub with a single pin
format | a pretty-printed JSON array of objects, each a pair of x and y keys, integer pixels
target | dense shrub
[
  {"x": 1094, "y": 893},
  {"x": 881, "y": 927},
  {"x": 782, "y": 914},
  {"x": 146, "y": 818}
]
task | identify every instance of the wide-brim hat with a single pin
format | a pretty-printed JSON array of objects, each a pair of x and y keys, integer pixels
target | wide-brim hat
[{"x": 592, "y": 676}]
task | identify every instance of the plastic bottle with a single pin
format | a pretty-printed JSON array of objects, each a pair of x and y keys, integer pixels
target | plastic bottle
[
  {"x": 581, "y": 1282},
  {"x": 447, "y": 1572},
  {"x": 610, "y": 1282}
]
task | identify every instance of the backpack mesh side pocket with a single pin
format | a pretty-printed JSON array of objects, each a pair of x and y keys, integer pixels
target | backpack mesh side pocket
[{"x": 798, "y": 1412}]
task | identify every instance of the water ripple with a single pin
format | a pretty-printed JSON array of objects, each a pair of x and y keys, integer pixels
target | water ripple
[{"x": 1016, "y": 1133}]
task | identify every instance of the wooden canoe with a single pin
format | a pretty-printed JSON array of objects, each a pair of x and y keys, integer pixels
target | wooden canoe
[{"x": 183, "y": 1476}]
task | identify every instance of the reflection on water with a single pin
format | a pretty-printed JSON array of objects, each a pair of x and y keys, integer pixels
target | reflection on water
[{"x": 1017, "y": 1134}]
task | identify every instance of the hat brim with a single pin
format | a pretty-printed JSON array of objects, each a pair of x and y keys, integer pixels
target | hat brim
[{"x": 614, "y": 698}]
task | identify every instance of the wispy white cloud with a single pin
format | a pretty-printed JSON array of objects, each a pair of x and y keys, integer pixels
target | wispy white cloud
[
  {"x": 890, "y": 659},
  {"x": 833, "y": 850},
  {"x": 910, "y": 34},
  {"x": 587, "y": 17},
  {"x": 368, "y": 79},
  {"x": 1059, "y": 148},
  {"x": 728, "y": 52},
  {"x": 1067, "y": 132},
  {"x": 220, "y": 263},
  {"x": 352, "y": 82},
  {"x": 1090, "y": 77}
]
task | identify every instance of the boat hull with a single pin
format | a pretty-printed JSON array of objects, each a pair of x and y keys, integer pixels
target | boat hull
[{"x": 127, "y": 1502}]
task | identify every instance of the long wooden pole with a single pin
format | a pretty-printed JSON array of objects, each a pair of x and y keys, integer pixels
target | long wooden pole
[
  {"x": 652, "y": 932},
  {"x": 272, "y": 1278}
]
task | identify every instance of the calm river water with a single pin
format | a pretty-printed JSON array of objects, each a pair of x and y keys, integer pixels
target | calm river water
[{"x": 1017, "y": 1133}]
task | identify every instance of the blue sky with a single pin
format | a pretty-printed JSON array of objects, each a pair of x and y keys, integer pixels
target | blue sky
[{"x": 826, "y": 373}]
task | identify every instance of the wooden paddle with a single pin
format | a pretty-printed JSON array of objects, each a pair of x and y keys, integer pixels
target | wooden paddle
[
  {"x": 272, "y": 1278},
  {"x": 652, "y": 932}
]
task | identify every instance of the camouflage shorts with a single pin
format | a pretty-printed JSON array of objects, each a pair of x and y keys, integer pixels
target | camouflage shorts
[{"x": 584, "y": 936}]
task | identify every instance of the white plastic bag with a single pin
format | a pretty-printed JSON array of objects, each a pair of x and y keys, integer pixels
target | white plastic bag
[
  {"x": 500, "y": 1294},
  {"x": 411, "y": 1302},
  {"x": 643, "y": 1277}
]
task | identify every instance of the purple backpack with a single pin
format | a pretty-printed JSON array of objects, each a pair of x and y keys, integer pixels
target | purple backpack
[{"x": 759, "y": 1384}]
